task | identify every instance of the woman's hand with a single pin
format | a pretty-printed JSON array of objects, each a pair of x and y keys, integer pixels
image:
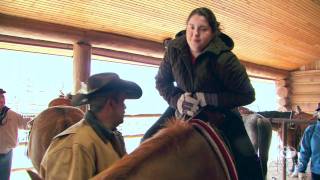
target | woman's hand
[{"x": 188, "y": 105}]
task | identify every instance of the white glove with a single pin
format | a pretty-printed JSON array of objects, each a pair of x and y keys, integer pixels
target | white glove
[
  {"x": 207, "y": 99},
  {"x": 187, "y": 104},
  {"x": 302, "y": 176}
]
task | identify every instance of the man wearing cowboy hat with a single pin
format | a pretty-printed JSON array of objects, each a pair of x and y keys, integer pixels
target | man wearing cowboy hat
[
  {"x": 93, "y": 144},
  {"x": 10, "y": 122}
]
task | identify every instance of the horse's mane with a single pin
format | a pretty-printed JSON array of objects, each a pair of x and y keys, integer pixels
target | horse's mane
[{"x": 174, "y": 135}]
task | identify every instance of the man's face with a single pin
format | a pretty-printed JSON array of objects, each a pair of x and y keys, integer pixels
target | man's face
[
  {"x": 2, "y": 100},
  {"x": 119, "y": 110}
]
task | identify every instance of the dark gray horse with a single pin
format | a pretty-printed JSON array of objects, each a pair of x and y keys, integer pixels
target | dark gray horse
[{"x": 259, "y": 130}]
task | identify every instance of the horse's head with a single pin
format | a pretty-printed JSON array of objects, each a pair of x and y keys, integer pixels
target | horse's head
[{"x": 300, "y": 115}]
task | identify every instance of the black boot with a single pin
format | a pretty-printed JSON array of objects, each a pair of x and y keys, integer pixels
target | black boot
[{"x": 159, "y": 123}]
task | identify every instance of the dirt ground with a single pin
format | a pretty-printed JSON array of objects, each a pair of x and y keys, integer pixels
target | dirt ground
[{"x": 275, "y": 171}]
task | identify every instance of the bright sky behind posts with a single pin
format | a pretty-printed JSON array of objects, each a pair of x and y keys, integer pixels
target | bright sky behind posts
[{"x": 32, "y": 80}]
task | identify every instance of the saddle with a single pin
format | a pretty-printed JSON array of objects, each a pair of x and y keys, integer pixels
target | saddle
[{"x": 218, "y": 145}]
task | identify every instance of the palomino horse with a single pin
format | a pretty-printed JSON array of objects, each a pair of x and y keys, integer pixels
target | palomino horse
[
  {"x": 62, "y": 100},
  {"x": 48, "y": 124},
  {"x": 260, "y": 133},
  {"x": 179, "y": 151}
]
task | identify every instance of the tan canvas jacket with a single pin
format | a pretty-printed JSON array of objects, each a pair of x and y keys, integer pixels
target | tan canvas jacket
[{"x": 78, "y": 153}]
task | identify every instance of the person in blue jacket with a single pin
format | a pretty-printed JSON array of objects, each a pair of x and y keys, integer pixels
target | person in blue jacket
[{"x": 310, "y": 150}]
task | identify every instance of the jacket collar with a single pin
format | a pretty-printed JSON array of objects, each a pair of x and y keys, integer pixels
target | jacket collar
[
  {"x": 104, "y": 133},
  {"x": 3, "y": 114}
]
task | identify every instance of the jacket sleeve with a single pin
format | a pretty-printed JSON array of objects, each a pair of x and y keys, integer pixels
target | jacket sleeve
[
  {"x": 305, "y": 150},
  {"x": 68, "y": 163},
  {"x": 237, "y": 88},
  {"x": 165, "y": 82},
  {"x": 22, "y": 122}
]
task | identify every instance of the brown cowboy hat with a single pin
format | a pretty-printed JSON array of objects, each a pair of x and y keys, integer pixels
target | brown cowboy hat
[
  {"x": 2, "y": 91},
  {"x": 103, "y": 83}
]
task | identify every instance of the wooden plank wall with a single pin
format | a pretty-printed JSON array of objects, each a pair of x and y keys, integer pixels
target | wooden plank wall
[{"x": 305, "y": 87}]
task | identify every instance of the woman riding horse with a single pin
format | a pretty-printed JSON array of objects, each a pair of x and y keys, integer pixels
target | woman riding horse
[{"x": 198, "y": 70}]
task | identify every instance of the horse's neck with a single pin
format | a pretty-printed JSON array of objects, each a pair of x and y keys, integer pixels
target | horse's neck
[
  {"x": 192, "y": 158},
  {"x": 304, "y": 116},
  {"x": 194, "y": 161}
]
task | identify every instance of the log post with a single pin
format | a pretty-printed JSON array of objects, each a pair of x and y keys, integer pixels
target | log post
[
  {"x": 283, "y": 92},
  {"x": 81, "y": 65}
]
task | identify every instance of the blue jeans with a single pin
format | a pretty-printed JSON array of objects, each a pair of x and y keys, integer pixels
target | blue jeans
[
  {"x": 315, "y": 176},
  {"x": 5, "y": 165}
]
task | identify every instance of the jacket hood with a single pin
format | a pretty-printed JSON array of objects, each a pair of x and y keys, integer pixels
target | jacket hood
[
  {"x": 227, "y": 41},
  {"x": 220, "y": 43}
]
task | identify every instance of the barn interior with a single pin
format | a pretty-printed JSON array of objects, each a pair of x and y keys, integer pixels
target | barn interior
[{"x": 275, "y": 40}]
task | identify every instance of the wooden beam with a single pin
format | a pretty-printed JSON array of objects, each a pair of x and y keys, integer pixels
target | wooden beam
[
  {"x": 95, "y": 51},
  {"x": 253, "y": 70},
  {"x": 306, "y": 98},
  {"x": 305, "y": 88},
  {"x": 32, "y": 29},
  {"x": 265, "y": 72},
  {"x": 32, "y": 42},
  {"x": 126, "y": 56}
]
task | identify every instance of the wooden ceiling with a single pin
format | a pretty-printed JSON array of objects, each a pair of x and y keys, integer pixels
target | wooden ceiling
[{"x": 282, "y": 34}]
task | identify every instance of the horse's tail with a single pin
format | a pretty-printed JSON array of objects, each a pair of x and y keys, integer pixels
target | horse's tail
[
  {"x": 264, "y": 136},
  {"x": 264, "y": 133}
]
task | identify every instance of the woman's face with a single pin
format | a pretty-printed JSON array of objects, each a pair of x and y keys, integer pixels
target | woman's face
[{"x": 199, "y": 33}]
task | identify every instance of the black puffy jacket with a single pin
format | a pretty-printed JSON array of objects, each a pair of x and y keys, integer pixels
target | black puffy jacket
[{"x": 216, "y": 70}]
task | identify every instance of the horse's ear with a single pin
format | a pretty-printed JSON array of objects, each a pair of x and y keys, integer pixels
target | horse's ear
[{"x": 299, "y": 109}]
